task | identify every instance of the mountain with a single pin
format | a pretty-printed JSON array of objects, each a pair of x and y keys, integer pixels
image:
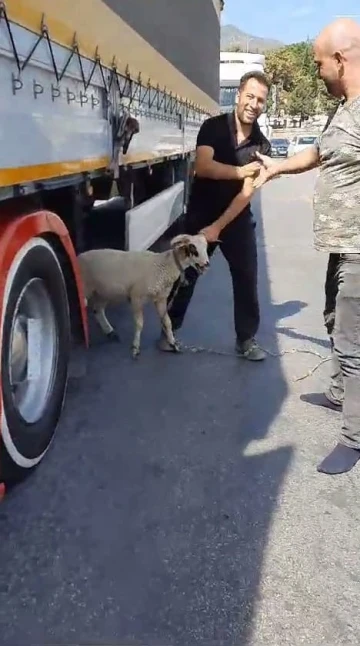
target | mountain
[{"x": 232, "y": 37}]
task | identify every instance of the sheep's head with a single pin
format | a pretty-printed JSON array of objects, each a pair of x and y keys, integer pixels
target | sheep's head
[{"x": 191, "y": 251}]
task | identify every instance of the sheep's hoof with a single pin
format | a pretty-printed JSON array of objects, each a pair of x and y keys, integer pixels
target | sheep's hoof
[
  {"x": 135, "y": 352},
  {"x": 176, "y": 347},
  {"x": 113, "y": 336},
  {"x": 165, "y": 346}
]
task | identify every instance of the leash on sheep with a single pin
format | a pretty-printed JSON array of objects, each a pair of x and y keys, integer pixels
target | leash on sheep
[
  {"x": 277, "y": 355},
  {"x": 182, "y": 282},
  {"x": 223, "y": 353}
]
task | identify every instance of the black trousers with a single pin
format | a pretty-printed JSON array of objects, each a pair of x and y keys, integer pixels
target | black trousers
[{"x": 238, "y": 245}]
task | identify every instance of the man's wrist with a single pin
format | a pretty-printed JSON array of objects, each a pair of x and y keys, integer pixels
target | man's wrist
[
  {"x": 219, "y": 224},
  {"x": 240, "y": 172},
  {"x": 275, "y": 170}
]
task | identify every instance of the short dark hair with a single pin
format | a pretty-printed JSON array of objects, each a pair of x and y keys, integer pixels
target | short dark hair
[{"x": 260, "y": 77}]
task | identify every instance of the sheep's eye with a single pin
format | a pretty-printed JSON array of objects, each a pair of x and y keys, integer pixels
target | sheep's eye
[{"x": 193, "y": 250}]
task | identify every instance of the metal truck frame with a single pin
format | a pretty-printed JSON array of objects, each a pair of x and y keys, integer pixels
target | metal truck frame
[{"x": 92, "y": 119}]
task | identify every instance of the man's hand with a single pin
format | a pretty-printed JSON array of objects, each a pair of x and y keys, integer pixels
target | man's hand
[
  {"x": 249, "y": 170},
  {"x": 267, "y": 171},
  {"x": 266, "y": 161},
  {"x": 263, "y": 177},
  {"x": 211, "y": 233}
]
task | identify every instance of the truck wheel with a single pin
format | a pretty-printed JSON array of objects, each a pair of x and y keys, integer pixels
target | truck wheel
[{"x": 35, "y": 352}]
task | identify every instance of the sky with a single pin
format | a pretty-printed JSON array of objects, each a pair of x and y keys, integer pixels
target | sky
[{"x": 286, "y": 20}]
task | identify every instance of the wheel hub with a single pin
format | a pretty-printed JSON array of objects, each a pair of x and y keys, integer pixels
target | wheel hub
[
  {"x": 33, "y": 350},
  {"x": 19, "y": 351}
]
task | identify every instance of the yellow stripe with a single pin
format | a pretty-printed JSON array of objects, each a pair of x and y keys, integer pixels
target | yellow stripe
[
  {"x": 24, "y": 174},
  {"x": 38, "y": 172},
  {"x": 144, "y": 156},
  {"x": 98, "y": 26}
]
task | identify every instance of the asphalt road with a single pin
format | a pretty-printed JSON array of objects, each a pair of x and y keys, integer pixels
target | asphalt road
[{"x": 180, "y": 504}]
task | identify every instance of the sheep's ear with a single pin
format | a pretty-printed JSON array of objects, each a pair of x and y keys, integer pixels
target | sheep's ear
[{"x": 179, "y": 240}]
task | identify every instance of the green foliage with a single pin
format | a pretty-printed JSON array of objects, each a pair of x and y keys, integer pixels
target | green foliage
[{"x": 299, "y": 90}]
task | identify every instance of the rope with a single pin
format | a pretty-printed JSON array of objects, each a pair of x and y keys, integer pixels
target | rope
[{"x": 277, "y": 355}]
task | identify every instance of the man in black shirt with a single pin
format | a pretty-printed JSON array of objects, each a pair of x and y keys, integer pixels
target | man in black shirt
[{"x": 219, "y": 206}]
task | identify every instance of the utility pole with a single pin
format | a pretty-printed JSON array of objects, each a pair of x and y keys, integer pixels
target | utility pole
[{"x": 274, "y": 99}]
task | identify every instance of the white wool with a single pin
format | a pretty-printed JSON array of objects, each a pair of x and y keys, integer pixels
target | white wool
[
  {"x": 115, "y": 275},
  {"x": 110, "y": 275}
]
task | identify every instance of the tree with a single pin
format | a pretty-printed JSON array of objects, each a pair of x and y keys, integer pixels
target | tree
[
  {"x": 302, "y": 98},
  {"x": 280, "y": 67},
  {"x": 293, "y": 70}
]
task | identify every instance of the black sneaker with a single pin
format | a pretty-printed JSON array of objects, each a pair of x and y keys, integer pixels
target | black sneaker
[{"x": 250, "y": 350}]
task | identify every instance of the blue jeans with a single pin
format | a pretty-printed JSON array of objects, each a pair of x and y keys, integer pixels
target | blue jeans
[{"x": 345, "y": 373}]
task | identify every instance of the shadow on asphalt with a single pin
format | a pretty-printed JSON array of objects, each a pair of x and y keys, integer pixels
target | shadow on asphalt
[
  {"x": 148, "y": 521},
  {"x": 294, "y": 334}
]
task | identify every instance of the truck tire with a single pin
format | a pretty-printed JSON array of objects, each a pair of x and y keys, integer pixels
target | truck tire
[{"x": 35, "y": 352}]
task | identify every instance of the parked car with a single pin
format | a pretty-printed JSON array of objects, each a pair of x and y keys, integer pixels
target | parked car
[
  {"x": 279, "y": 147},
  {"x": 300, "y": 142}
]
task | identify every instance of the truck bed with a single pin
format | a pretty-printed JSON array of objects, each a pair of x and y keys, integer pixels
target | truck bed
[
  {"x": 99, "y": 28},
  {"x": 57, "y": 78}
]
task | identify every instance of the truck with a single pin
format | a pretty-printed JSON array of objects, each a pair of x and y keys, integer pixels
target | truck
[
  {"x": 101, "y": 105},
  {"x": 233, "y": 65}
]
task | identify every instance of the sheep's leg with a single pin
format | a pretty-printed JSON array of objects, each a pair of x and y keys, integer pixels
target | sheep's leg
[
  {"x": 161, "y": 307},
  {"x": 99, "y": 314},
  {"x": 137, "y": 308}
]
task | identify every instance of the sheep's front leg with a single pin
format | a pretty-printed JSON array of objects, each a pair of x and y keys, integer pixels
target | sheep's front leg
[
  {"x": 137, "y": 308},
  {"x": 161, "y": 307},
  {"x": 99, "y": 314}
]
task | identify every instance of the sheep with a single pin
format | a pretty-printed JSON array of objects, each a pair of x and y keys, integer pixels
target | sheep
[{"x": 110, "y": 275}]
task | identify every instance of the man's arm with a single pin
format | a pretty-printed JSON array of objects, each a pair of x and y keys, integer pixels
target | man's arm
[
  {"x": 238, "y": 204},
  {"x": 243, "y": 198},
  {"x": 299, "y": 163},
  {"x": 207, "y": 167},
  {"x": 235, "y": 208}
]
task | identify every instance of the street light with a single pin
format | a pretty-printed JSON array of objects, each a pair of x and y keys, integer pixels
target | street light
[{"x": 248, "y": 41}]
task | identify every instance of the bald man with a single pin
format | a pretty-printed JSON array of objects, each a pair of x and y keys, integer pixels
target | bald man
[{"x": 337, "y": 223}]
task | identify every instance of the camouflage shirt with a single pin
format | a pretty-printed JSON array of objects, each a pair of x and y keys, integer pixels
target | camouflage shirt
[{"x": 337, "y": 190}]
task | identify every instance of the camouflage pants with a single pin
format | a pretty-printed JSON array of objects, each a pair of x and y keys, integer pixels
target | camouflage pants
[{"x": 343, "y": 298}]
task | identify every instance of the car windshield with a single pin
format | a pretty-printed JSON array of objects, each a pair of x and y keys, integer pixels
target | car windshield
[
  {"x": 304, "y": 141},
  {"x": 279, "y": 142}
]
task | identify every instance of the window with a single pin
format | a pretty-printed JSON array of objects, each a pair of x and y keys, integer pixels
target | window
[
  {"x": 305, "y": 141},
  {"x": 280, "y": 142},
  {"x": 231, "y": 61},
  {"x": 228, "y": 96}
]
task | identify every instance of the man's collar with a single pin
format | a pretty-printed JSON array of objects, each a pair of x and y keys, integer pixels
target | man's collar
[{"x": 255, "y": 133}]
